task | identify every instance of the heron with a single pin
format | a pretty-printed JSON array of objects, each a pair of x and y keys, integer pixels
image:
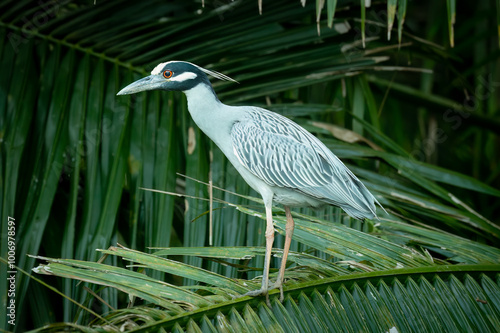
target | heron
[{"x": 279, "y": 159}]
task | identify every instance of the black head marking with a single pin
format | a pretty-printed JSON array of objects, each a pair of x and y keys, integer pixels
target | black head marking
[{"x": 174, "y": 75}]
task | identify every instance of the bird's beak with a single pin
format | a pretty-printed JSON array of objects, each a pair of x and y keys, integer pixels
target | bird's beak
[{"x": 151, "y": 82}]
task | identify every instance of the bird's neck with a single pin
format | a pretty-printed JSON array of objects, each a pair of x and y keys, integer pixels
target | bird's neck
[
  {"x": 212, "y": 116},
  {"x": 201, "y": 96}
]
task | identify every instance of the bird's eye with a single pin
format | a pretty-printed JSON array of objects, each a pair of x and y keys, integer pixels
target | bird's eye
[{"x": 167, "y": 74}]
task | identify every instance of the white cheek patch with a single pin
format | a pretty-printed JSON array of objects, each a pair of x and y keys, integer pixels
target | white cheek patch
[
  {"x": 184, "y": 77},
  {"x": 158, "y": 68}
]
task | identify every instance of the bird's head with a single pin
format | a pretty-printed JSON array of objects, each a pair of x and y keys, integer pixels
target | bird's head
[{"x": 173, "y": 75}]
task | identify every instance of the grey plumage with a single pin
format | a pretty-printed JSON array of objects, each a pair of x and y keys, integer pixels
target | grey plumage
[{"x": 283, "y": 154}]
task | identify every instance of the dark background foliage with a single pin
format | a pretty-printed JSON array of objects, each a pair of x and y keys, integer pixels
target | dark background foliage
[{"x": 422, "y": 122}]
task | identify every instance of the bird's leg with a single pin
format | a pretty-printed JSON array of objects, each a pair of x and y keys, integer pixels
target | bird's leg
[
  {"x": 267, "y": 260},
  {"x": 269, "y": 249},
  {"x": 290, "y": 225}
]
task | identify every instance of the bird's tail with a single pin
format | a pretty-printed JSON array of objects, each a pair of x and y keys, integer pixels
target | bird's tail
[{"x": 365, "y": 200}]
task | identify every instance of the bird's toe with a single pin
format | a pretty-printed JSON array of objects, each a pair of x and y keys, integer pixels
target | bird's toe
[
  {"x": 279, "y": 286},
  {"x": 259, "y": 292}
]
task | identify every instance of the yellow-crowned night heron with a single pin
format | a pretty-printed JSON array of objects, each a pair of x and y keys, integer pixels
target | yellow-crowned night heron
[{"x": 276, "y": 157}]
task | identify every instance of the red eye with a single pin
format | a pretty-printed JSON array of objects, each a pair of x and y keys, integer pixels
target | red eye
[{"x": 167, "y": 74}]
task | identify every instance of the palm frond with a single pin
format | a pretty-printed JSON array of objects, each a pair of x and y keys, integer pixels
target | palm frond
[{"x": 402, "y": 299}]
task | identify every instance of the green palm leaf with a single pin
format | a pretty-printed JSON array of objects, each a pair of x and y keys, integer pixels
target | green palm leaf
[{"x": 398, "y": 299}]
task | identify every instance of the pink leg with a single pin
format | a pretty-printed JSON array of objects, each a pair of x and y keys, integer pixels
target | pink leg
[
  {"x": 290, "y": 224},
  {"x": 267, "y": 260}
]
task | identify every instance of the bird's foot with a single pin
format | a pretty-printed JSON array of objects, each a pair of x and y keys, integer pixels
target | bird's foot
[
  {"x": 259, "y": 292},
  {"x": 278, "y": 285},
  {"x": 265, "y": 292}
]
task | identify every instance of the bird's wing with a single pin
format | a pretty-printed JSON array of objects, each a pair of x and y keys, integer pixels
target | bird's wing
[{"x": 283, "y": 154}]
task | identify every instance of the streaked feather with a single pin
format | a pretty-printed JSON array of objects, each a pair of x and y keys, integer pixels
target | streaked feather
[{"x": 285, "y": 155}]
